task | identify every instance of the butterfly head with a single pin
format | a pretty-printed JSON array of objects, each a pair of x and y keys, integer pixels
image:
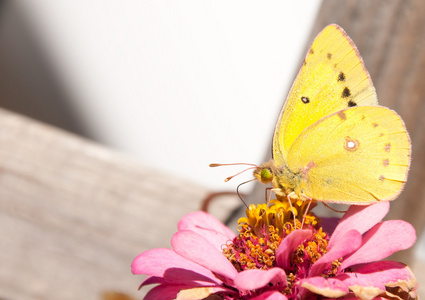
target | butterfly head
[{"x": 264, "y": 173}]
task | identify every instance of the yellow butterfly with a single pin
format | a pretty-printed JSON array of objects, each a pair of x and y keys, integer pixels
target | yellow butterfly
[{"x": 332, "y": 142}]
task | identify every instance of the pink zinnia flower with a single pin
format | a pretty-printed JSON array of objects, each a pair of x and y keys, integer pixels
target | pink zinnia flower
[{"x": 272, "y": 259}]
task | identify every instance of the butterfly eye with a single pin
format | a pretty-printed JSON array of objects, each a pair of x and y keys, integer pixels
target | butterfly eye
[{"x": 266, "y": 175}]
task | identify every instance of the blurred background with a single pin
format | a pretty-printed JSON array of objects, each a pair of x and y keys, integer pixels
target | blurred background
[{"x": 173, "y": 85}]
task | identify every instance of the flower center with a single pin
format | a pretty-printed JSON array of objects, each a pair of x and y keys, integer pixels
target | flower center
[
  {"x": 262, "y": 231},
  {"x": 249, "y": 251}
]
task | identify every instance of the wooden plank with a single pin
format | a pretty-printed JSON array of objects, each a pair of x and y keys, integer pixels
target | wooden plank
[
  {"x": 390, "y": 35},
  {"x": 73, "y": 214}
]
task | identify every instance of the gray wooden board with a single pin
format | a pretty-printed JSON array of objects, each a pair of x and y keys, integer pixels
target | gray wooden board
[{"x": 73, "y": 214}]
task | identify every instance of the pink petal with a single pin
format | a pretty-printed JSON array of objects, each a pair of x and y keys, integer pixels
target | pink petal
[
  {"x": 163, "y": 262},
  {"x": 381, "y": 241},
  {"x": 347, "y": 243},
  {"x": 189, "y": 284},
  {"x": 202, "y": 293},
  {"x": 399, "y": 277},
  {"x": 329, "y": 224},
  {"x": 207, "y": 226},
  {"x": 360, "y": 218},
  {"x": 164, "y": 292},
  {"x": 170, "y": 291},
  {"x": 385, "y": 265},
  {"x": 351, "y": 297},
  {"x": 380, "y": 274},
  {"x": 152, "y": 280},
  {"x": 330, "y": 287},
  {"x": 256, "y": 278},
  {"x": 270, "y": 295},
  {"x": 173, "y": 291},
  {"x": 288, "y": 245},
  {"x": 362, "y": 286},
  {"x": 197, "y": 249},
  {"x": 362, "y": 280}
]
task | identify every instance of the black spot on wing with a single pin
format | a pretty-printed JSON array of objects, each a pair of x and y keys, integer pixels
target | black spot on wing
[
  {"x": 351, "y": 103},
  {"x": 341, "y": 76},
  {"x": 346, "y": 93},
  {"x": 329, "y": 55}
]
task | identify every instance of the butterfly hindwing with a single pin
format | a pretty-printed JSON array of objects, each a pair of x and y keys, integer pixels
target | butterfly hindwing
[{"x": 359, "y": 155}]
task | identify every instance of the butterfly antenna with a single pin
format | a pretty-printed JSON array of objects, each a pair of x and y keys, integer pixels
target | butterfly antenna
[
  {"x": 333, "y": 209},
  {"x": 237, "y": 191},
  {"x": 234, "y": 164},
  {"x": 230, "y": 177}
]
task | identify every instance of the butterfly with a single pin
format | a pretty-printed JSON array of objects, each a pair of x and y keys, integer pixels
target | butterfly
[{"x": 332, "y": 142}]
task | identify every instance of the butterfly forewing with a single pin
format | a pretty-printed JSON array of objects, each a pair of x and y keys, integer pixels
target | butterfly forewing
[{"x": 332, "y": 78}]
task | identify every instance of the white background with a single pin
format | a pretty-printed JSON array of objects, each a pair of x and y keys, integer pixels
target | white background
[{"x": 177, "y": 84}]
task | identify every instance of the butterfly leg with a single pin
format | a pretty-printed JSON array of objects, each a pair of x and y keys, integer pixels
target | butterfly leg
[
  {"x": 291, "y": 195},
  {"x": 269, "y": 192},
  {"x": 306, "y": 211}
]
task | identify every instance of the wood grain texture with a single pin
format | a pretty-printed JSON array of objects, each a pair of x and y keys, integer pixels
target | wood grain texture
[
  {"x": 73, "y": 215},
  {"x": 390, "y": 35}
]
